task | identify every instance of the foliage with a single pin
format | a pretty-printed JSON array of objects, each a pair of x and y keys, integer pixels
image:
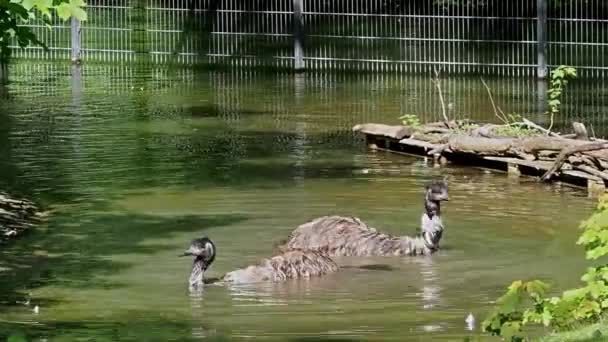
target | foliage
[
  {"x": 14, "y": 14},
  {"x": 410, "y": 120},
  {"x": 515, "y": 130},
  {"x": 525, "y": 302},
  {"x": 559, "y": 79}
]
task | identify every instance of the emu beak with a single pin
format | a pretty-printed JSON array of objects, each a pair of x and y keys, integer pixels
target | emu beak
[{"x": 187, "y": 253}]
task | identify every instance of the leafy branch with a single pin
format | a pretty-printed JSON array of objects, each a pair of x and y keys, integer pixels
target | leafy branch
[
  {"x": 559, "y": 79},
  {"x": 15, "y": 14},
  {"x": 525, "y": 303}
]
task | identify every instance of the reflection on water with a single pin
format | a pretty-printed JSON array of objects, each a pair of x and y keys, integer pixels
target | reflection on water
[{"x": 137, "y": 162}]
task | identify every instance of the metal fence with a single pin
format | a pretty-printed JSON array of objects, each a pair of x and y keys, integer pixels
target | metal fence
[{"x": 473, "y": 36}]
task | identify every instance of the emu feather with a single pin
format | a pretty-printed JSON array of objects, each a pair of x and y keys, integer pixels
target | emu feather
[{"x": 349, "y": 236}]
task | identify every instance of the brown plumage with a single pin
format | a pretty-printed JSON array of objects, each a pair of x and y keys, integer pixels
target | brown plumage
[
  {"x": 293, "y": 264},
  {"x": 349, "y": 236}
]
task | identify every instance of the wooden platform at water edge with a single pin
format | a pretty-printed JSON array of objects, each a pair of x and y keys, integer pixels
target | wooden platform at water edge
[{"x": 514, "y": 167}]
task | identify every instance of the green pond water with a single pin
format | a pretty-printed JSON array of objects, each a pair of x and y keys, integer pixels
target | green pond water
[{"x": 137, "y": 162}]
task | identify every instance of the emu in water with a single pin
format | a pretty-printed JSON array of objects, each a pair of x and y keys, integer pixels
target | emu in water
[
  {"x": 293, "y": 264},
  {"x": 349, "y": 236}
]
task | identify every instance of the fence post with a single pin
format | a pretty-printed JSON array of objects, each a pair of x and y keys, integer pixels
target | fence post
[
  {"x": 75, "y": 53},
  {"x": 298, "y": 35},
  {"x": 541, "y": 38},
  {"x": 139, "y": 19}
]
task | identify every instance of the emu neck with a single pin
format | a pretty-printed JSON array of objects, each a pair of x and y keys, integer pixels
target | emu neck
[
  {"x": 431, "y": 225},
  {"x": 196, "y": 276}
]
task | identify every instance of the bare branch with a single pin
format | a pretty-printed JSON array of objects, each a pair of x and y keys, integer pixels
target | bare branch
[{"x": 497, "y": 109}]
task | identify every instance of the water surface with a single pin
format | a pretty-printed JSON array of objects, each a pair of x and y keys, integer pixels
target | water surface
[{"x": 136, "y": 162}]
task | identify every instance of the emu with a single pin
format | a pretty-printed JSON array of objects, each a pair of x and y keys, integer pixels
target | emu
[
  {"x": 349, "y": 236},
  {"x": 293, "y": 264}
]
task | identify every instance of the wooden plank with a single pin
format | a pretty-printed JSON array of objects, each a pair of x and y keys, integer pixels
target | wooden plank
[
  {"x": 581, "y": 175},
  {"x": 539, "y": 165}
]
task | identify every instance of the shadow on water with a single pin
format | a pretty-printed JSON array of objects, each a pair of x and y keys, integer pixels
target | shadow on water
[
  {"x": 77, "y": 251},
  {"x": 323, "y": 338},
  {"x": 372, "y": 267},
  {"x": 155, "y": 330}
]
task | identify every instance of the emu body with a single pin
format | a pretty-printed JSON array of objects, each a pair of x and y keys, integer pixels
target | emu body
[
  {"x": 293, "y": 264},
  {"x": 349, "y": 236},
  {"x": 288, "y": 265}
]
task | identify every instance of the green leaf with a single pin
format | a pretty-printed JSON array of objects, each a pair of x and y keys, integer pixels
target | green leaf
[
  {"x": 570, "y": 295},
  {"x": 44, "y": 6},
  {"x": 77, "y": 3},
  {"x": 64, "y": 11},
  {"x": 79, "y": 14},
  {"x": 27, "y": 4},
  {"x": 510, "y": 330},
  {"x": 18, "y": 10},
  {"x": 536, "y": 288},
  {"x": 547, "y": 317}
]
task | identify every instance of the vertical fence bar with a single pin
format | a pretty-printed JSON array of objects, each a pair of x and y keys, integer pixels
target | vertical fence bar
[
  {"x": 298, "y": 35},
  {"x": 75, "y": 32},
  {"x": 541, "y": 38}
]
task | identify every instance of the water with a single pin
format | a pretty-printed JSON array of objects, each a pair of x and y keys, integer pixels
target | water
[{"x": 137, "y": 162}]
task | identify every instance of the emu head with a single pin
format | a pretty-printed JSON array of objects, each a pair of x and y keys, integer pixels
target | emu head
[
  {"x": 203, "y": 250},
  {"x": 437, "y": 191}
]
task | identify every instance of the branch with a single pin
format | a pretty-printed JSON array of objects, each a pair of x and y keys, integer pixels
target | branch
[
  {"x": 502, "y": 115},
  {"x": 531, "y": 124},
  {"x": 563, "y": 155},
  {"x": 438, "y": 85}
]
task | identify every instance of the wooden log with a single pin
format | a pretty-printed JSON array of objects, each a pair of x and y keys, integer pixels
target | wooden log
[
  {"x": 431, "y": 130},
  {"x": 395, "y": 132},
  {"x": 419, "y": 143},
  {"x": 575, "y": 160},
  {"x": 593, "y": 171},
  {"x": 480, "y": 145},
  {"x": 536, "y": 144},
  {"x": 431, "y": 138},
  {"x": 567, "y": 151},
  {"x": 580, "y": 131},
  {"x": 603, "y": 163},
  {"x": 591, "y": 161}
]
